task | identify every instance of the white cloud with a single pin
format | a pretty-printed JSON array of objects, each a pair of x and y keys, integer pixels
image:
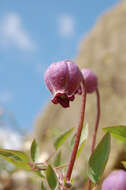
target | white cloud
[
  {"x": 66, "y": 26},
  {"x": 12, "y": 32},
  {"x": 5, "y": 96},
  {"x": 10, "y": 139}
]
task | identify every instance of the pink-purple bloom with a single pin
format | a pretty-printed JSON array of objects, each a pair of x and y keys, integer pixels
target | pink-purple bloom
[
  {"x": 91, "y": 81},
  {"x": 63, "y": 79},
  {"x": 115, "y": 181}
]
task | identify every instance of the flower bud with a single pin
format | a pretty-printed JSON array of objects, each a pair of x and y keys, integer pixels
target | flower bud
[
  {"x": 115, "y": 181},
  {"x": 63, "y": 79},
  {"x": 91, "y": 81}
]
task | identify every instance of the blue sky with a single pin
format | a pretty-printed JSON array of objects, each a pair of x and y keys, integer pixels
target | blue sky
[{"x": 34, "y": 34}]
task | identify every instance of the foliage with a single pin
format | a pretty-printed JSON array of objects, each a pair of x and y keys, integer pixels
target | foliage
[
  {"x": 118, "y": 132},
  {"x": 47, "y": 170},
  {"x": 34, "y": 150},
  {"x": 62, "y": 138},
  {"x": 98, "y": 159},
  {"x": 52, "y": 171}
]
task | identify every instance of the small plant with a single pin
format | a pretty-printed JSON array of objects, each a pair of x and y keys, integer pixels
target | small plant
[{"x": 65, "y": 81}]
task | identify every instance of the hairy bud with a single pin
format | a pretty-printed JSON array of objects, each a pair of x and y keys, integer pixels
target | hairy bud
[
  {"x": 63, "y": 79},
  {"x": 115, "y": 181},
  {"x": 91, "y": 81}
]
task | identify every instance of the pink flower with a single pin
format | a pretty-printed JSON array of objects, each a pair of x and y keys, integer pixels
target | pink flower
[
  {"x": 91, "y": 81},
  {"x": 115, "y": 181},
  {"x": 63, "y": 79}
]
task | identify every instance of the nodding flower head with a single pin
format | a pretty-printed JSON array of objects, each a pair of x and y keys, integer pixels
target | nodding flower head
[
  {"x": 115, "y": 181},
  {"x": 91, "y": 81},
  {"x": 63, "y": 79}
]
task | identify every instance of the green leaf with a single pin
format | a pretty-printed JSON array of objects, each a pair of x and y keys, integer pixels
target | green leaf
[
  {"x": 73, "y": 140},
  {"x": 83, "y": 138},
  {"x": 124, "y": 164},
  {"x": 39, "y": 173},
  {"x": 19, "y": 164},
  {"x": 84, "y": 134},
  {"x": 51, "y": 177},
  {"x": 118, "y": 132},
  {"x": 34, "y": 150},
  {"x": 58, "y": 159},
  {"x": 98, "y": 159},
  {"x": 18, "y": 158},
  {"x": 61, "y": 140},
  {"x": 80, "y": 149},
  {"x": 43, "y": 186},
  {"x": 14, "y": 154}
]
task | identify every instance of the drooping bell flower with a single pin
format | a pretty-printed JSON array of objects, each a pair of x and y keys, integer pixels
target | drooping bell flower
[
  {"x": 63, "y": 79},
  {"x": 91, "y": 81},
  {"x": 115, "y": 181}
]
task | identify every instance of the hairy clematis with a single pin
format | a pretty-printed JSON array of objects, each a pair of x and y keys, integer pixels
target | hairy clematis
[
  {"x": 115, "y": 181},
  {"x": 91, "y": 81},
  {"x": 63, "y": 79}
]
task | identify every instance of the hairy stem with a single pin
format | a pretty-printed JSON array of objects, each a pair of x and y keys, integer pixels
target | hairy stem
[
  {"x": 78, "y": 134},
  {"x": 95, "y": 130}
]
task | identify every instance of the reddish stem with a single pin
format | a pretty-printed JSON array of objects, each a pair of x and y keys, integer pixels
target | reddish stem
[
  {"x": 78, "y": 134},
  {"x": 95, "y": 130},
  {"x": 89, "y": 184}
]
